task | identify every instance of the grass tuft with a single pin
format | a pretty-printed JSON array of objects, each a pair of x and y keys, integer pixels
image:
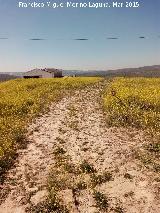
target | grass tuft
[
  {"x": 154, "y": 147},
  {"x": 58, "y": 151},
  {"x": 86, "y": 167},
  {"x": 128, "y": 176},
  {"x": 101, "y": 201},
  {"x": 118, "y": 209},
  {"x": 48, "y": 206},
  {"x": 81, "y": 185},
  {"x": 99, "y": 179}
]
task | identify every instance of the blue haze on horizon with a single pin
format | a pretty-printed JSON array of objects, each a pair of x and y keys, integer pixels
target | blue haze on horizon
[{"x": 59, "y": 28}]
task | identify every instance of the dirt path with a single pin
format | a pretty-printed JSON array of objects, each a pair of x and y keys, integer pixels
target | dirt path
[{"x": 77, "y": 125}]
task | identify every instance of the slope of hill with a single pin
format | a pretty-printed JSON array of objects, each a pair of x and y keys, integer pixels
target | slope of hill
[
  {"x": 146, "y": 71},
  {"x": 6, "y": 77}
]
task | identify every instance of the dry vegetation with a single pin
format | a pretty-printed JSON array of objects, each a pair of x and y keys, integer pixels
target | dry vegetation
[{"x": 22, "y": 100}]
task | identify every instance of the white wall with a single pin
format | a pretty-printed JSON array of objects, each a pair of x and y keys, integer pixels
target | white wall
[{"x": 40, "y": 73}]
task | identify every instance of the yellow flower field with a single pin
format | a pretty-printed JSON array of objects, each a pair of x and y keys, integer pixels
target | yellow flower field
[
  {"x": 20, "y": 101},
  {"x": 134, "y": 102}
]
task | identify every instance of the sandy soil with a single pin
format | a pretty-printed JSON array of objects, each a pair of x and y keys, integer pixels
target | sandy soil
[{"x": 79, "y": 122}]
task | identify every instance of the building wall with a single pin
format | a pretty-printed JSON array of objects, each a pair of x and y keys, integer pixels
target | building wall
[
  {"x": 40, "y": 73},
  {"x": 58, "y": 73}
]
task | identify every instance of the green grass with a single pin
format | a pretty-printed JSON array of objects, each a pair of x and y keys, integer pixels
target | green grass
[{"x": 21, "y": 100}]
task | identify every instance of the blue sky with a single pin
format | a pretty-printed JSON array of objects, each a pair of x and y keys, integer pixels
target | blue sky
[{"x": 60, "y": 26}]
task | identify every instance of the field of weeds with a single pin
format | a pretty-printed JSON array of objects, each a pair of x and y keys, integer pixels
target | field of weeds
[
  {"x": 73, "y": 161},
  {"x": 20, "y": 101},
  {"x": 134, "y": 102}
]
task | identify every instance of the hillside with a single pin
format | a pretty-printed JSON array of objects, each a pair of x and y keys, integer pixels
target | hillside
[
  {"x": 6, "y": 77},
  {"x": 146, "y": 71}
]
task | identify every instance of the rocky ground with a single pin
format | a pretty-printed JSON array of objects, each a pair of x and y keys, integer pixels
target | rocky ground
[{"x": 89, "y": 167}]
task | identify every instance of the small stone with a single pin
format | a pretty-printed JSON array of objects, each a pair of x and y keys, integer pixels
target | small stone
[
  {"x": 39, "y": 197},
  {"x": 31, "y": 190}
]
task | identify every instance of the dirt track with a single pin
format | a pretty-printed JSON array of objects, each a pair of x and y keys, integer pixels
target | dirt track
[{"x": 79, "y": 122}]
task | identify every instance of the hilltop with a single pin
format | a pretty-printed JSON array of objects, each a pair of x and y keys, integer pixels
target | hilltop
[{"x": 146, "y": 71}]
